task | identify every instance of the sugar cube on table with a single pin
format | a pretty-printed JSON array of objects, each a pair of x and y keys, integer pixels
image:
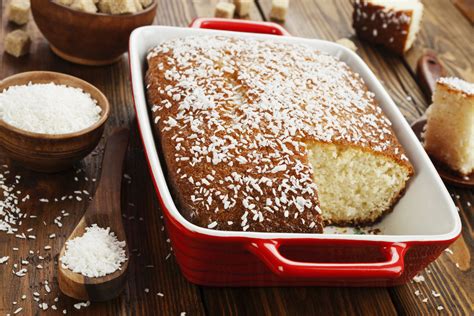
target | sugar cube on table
[
  {"x": 17, "y": 43},
  {"x": 347, "y": 43},
  {"x": 279, "y": 9},
  {"x": 84, "y": 5},
  {"x": 242, "y": 7},
  {"x": 225, "y": 10},
  {"x": 18, "y": 11},
  {"x": 125, "y": 6}
]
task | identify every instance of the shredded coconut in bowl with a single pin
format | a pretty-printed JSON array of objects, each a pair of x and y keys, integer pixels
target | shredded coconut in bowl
[
  {"x": 48, "y": 108},
  {"x": 95, "y": 254}
]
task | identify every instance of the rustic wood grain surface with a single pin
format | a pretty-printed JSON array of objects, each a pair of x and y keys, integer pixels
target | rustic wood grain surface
[{"x": 155, "y": 285}]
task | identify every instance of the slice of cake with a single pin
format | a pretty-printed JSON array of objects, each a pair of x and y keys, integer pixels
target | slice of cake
[
  {"x": 449, "y": 136},
  {"x": 390, "y": 23},
  {"x": 265, "y": 136}
]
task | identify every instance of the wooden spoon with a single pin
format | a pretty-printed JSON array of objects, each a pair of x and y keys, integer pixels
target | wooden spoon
[
  {"x": 104, "y": 210},
  {"x": 428, "y": 71}
]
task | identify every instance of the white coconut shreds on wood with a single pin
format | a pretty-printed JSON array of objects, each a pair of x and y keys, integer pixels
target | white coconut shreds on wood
[
  {"x": 48, "y": 108},
  {"x": 95, "y": 254}
]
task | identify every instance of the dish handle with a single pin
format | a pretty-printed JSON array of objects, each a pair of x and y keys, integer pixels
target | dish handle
[
  {"x": 239, "y": 26},
  {"x": 391, "y": 268}
]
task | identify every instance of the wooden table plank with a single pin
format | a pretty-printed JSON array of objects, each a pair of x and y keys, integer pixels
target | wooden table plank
[
  {"x": 143, "y": 224},
  {"x": 333, "y": 20}
]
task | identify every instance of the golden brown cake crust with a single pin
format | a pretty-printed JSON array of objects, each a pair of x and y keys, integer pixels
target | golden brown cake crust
[
  {"x": 388, "y": 28},
  {"x": 233, "y": 117}
]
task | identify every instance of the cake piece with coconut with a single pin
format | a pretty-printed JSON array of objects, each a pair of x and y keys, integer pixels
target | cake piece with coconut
[
  {"x": 390, "y": 23},
  {"x": 449, "y": 135}
]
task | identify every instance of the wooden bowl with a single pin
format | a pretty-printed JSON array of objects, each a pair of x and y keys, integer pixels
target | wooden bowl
[
  {"x": 87, "y": 38},
  {"x": 51, "y": 152}
]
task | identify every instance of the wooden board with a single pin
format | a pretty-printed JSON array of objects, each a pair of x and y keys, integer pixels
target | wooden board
[{"x": 152, "y": 265}]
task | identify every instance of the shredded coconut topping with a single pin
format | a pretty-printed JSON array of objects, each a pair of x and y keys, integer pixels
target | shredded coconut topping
[
  {"x": 248, "y": 108},
  {"x": 458, "y": 84}
]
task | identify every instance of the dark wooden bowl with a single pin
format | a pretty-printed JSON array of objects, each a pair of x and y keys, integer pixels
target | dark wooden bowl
[
  {"x": 87, "y": 38},
  {"x": 47, "y": 152}
]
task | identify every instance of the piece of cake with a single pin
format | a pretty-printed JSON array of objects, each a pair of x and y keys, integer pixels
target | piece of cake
[
  {"x": 84, "y": 5},
  {"x": 390, "y": 23},
  {"x": 18, "y": 11},
  {"x": 17, "y": 43},
  {"x": 279, "y": 9},
  {"x": 449, "y": 135},
  {"x": 266, "y": 136},
  {"x": 242, "y": 7},
  {"x": 224, "y": 10}
]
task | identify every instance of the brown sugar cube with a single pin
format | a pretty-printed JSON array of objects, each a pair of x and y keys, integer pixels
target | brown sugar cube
[
  {"x": 126, "y": 6},
  {"x": 17, "y": 43},
  {"x": 225, "y": 10},
  {"x": 18, "y": 11},
  {"x": 279, "y": 9},
  {"x": 105, "y": 6},
  {"x": 84, "y": 5},
  {"x": 242, "y": 7},
  {"x": 65, "y": 2},
  {"x": 146, "y": 3}
]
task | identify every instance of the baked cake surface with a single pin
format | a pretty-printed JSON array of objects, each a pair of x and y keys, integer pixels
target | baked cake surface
[
  {"x": 449, "y": 135},
  {"x": 249, "y": 129}
]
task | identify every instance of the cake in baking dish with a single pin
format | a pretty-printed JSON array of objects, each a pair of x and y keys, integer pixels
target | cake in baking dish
[
  {"x": 274, "y": 137},
  {"x": 449, "y": 135},
  {"x": 390, "y": 23}
]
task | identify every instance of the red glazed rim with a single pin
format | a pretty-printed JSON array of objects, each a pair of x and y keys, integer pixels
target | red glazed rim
[
  {"x": 267, "y": 249},
  {"x": 239, "y": 26}
]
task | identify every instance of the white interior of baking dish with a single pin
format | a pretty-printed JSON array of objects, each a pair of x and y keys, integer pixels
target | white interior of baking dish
[{"x": 426, "y": 212}]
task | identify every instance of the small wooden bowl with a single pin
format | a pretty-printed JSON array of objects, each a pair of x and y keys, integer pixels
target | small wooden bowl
[
  {"x": 51, "y": 152},
  {"x": 92, "y": 39}
]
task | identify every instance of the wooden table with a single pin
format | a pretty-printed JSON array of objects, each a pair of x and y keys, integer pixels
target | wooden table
[{"x": 152, "y": 265}]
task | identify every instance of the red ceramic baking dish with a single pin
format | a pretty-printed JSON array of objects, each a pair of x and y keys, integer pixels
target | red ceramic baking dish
[{"x": 423, "y": 223}]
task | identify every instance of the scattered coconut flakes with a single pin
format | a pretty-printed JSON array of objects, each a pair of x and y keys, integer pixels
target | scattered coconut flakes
[
  {"x": 419, "y": 278},
  {"x": 440, "y": 307},
  {"x": 433, "y": 292},
  {"x": 449, "y": 251},
  {"x": 19, "y": 309},
  {"x": 20, "y": 273},
  {"x": 82, "y": 304},
  {"x": 160, "y": 294},
  {"x": 4, "y": 259}
]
